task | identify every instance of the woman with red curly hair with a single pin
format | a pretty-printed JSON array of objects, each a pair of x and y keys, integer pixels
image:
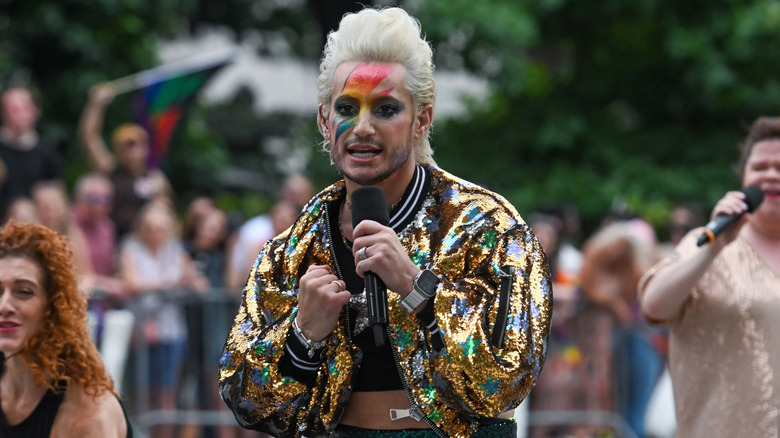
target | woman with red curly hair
[{"x": 52, "y": 379}]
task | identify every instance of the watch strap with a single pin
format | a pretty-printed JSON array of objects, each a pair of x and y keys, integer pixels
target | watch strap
[
  {"x": 414, "y": 299},
  {"x": 417, "y": 296}
]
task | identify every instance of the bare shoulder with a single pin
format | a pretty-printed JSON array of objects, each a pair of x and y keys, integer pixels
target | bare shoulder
[{"x": 84, "y": 416}]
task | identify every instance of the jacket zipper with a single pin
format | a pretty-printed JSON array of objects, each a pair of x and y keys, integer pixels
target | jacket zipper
[
  {"x": 345, "y": 318},
  {"x": 415, "y": 411},
  {"x": 331, "y": 249}
]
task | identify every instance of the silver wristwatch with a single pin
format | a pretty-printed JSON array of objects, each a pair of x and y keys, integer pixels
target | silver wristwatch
[{"x": 425, "y": 284}]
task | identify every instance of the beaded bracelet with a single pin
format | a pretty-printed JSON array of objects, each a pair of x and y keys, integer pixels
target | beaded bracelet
[{"x": 313, "y": 346}]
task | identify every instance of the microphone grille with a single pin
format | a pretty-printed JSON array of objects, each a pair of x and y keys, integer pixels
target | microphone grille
[
  {"x": 754, "y": 196},
  {"x": 369, "y": 203}
]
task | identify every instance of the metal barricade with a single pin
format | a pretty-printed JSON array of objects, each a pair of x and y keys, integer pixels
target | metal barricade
[{"x": 208, "y": 319}]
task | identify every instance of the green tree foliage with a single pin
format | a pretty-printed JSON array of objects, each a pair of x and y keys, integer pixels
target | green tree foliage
[
  {"x": 642, "y": 102},
  {"x": 594, "y": 101},
  {"x": 63, "y": 47}
]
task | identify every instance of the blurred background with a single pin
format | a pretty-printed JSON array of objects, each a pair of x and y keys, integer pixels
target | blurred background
[
  {"x": 637, "y": 104},
  {"x": 582, "y": 114}
]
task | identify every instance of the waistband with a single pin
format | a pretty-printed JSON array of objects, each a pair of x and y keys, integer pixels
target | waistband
[{"x": 499, "y": 429}]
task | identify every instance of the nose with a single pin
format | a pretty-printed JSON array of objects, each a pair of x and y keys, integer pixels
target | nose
[
  {"x": 6, "y": 304},
  {"x": 364, "y": 125}
]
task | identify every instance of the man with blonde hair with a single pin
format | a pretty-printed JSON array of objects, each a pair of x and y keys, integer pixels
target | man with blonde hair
[{"x": 467, "y": 283}]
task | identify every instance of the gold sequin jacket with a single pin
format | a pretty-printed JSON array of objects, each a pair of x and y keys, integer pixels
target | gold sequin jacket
[{"x": 477, "y": 243}]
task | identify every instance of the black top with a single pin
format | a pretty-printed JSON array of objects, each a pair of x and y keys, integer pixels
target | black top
[
  {"x": 130, "y": 195},
  {"x": 378, "y": 370},
  {"x": 41, "y": 420},
  {"x": 24, "y": 168}
]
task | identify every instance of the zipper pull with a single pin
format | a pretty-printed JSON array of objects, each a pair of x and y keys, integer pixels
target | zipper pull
[{"x": 414, "y": 412}]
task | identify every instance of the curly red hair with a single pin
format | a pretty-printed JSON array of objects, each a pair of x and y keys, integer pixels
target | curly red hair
[{"x": 61, "y": 351}]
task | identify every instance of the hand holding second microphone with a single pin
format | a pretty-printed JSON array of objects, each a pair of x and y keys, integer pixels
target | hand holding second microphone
[{"x": 729, "y": 211}]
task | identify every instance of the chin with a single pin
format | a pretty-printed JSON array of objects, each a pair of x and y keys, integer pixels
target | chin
[
  {"x": 366, "y": 180},
  {"x": 9, "y": 350}
]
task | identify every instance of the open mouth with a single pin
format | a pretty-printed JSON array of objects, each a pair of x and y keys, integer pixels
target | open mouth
[
  {"x": 772, "y": 192},
  {"x": 363, "y": 152},
  {"x": 8, "y": 325}
]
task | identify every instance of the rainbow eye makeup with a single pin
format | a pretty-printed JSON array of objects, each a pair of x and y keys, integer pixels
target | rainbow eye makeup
[{"x": 361, "y": 93}]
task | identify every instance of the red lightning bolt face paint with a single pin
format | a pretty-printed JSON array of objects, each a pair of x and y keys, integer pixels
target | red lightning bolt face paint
[
  {"x": 371, "y": 123},
  {"x": 362, "y": 84}
]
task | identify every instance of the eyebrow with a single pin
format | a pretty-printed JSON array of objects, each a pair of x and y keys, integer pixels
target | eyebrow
[{"x": 26, "y": 282}]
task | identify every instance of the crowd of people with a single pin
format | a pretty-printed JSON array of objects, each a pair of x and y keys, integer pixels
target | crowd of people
[
  {"x": 469, "y": 329},
  {"x": 133, "y": 247},
  {"x": 696, "y": 308},
  {"x": 604, "y": 360}
]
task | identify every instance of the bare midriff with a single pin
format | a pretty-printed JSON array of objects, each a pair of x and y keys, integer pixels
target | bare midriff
[{"x": 371, "y": 410}]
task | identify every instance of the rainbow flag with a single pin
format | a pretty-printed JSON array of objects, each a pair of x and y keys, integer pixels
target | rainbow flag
[{"x": 165, "y": 93}]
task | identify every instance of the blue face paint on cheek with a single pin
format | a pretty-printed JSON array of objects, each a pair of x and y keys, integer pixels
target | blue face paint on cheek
[
  {"x": 342, "y": 125},
  {"x": 360, "y": 89}
]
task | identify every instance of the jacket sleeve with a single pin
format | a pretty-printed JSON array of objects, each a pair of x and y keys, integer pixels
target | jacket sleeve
[
  {"x": 479, "y": 373},
  {"x": 251, "y": 383}
]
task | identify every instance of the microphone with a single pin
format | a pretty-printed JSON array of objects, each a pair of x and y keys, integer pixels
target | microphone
[
  {"x": 368, "y": 203},
  {"x": 753, "y": 198}
]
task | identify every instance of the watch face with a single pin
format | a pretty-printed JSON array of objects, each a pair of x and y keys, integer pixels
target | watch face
[{"x": 427, "y": 282}]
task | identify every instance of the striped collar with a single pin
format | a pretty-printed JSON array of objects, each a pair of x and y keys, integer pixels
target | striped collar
[{"x": 410, "y": 202}]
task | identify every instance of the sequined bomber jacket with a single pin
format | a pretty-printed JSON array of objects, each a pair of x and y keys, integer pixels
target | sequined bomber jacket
[{"x": 493, "y": 309}]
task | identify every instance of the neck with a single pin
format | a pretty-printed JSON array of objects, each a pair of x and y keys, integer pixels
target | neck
[
  {"x": 19, "y": 140},
  {"x": 135, "y": 169},
  {"x": 345, "y": 220},
  {"x": 16, "y": 378},
  {"x": 82, "y": 217},
  {"x": 393, "y": 188},
  {"x": 206, "y": 244},
  {"x": 762, "y": 235},
  {"x": 19, "y": 395}
]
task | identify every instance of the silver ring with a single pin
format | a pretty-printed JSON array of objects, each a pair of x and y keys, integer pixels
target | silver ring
[{"x": 362, "y": 253}]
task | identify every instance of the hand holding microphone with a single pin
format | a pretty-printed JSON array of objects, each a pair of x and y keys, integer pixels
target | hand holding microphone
[
  {"x": 368, "y": 203},
  {"x": 753, "y": 198}
]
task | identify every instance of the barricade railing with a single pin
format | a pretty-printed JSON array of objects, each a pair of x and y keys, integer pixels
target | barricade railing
[
  {"x": 208, "y": 319},
  {"x": 600, "y": 382},
  {"x": 126, "y": 352},
  {"x": 602, "y": 419}
]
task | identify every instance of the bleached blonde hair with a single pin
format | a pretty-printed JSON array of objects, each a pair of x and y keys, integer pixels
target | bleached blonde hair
[{"x": 387, "y": 35}]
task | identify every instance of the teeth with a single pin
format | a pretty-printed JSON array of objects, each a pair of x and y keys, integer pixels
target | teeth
[{"x": 363, "y": 153}]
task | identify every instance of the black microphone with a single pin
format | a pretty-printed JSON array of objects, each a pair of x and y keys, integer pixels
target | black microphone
[
  {"x": 368, "y": 203},
  {"x": 753, "y": 198}
]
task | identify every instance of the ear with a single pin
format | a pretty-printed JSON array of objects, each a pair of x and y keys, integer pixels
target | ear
[
  {"x": 423, "y": 121},
  {"x": 322, "y": 122}
]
